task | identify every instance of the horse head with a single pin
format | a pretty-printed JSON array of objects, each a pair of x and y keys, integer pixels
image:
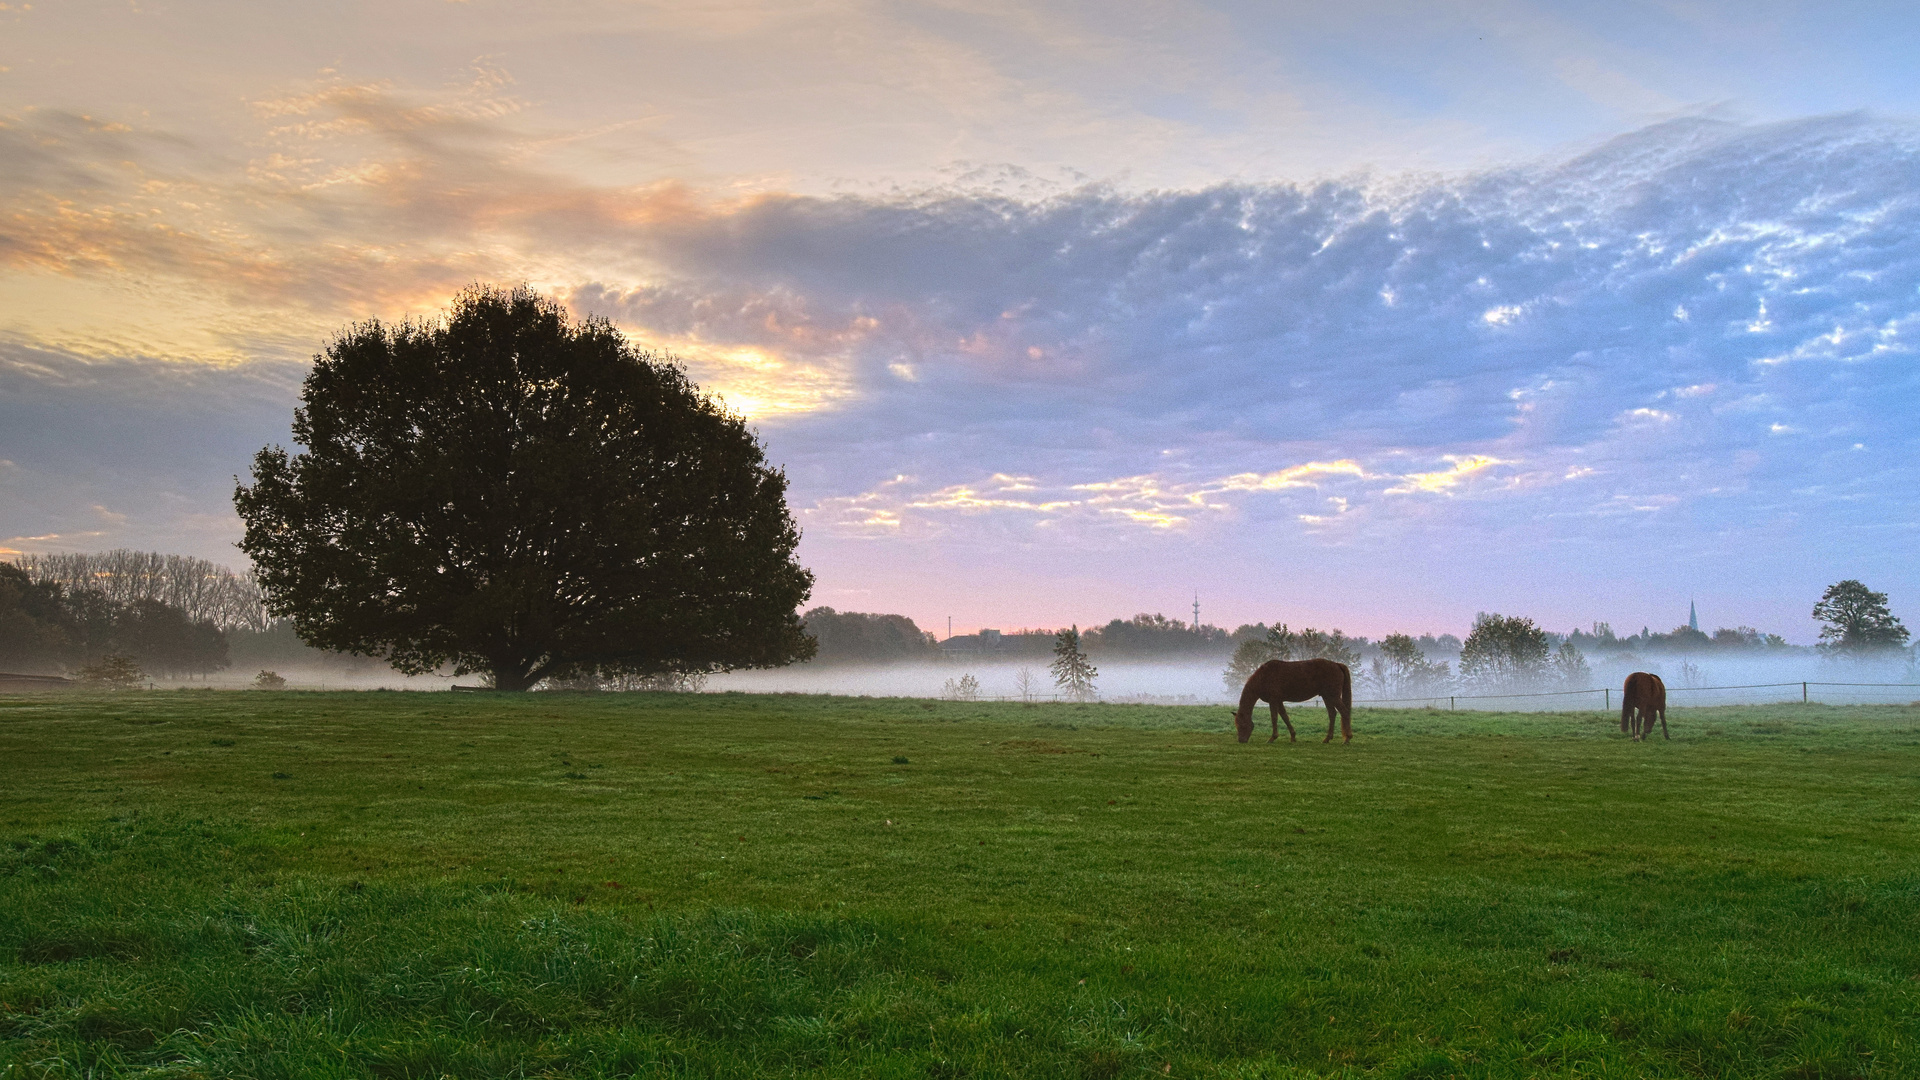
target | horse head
[{"x": 1243, "y": 723}]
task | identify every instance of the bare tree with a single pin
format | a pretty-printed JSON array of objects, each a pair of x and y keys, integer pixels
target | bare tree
[
  {"x": 1024, "y": 682},
  {"x": 965, "y": 688},
  {"x": 204, "y": 591}
]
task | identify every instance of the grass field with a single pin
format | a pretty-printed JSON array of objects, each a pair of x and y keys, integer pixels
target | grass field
[{"x": 388, "y": 884}]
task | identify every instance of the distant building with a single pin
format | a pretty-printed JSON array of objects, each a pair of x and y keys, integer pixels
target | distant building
[
  {"x": 1693, "y": 616},
  {"x": 984, "y": 643}
]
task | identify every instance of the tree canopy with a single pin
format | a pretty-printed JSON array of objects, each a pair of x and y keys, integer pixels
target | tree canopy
[
  {"x": 1153, "y": 636},
  {"x": 1857, "y": 620},
  {"x": 855, "y": 637},
  {"x": 1505, "y": 652},
  {"x": 505, "y": 490},
  {"x": 1401, "y": 668},
  {"x": 1282, "y": 643}
]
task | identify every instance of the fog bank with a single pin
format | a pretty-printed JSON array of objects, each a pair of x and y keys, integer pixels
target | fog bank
[{"x": 1691, "y": 681}]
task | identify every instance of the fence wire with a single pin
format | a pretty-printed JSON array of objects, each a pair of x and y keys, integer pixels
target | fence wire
[{"x": 1608, "y": 697}]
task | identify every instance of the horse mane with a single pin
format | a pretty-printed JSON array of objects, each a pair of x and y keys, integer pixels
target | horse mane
[{"x": 1249, "y": 697}]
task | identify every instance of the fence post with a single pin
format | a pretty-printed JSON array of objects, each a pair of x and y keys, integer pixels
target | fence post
[
  {"x": 1449, "y": 703},
  {"x": 1606, "y": 702},
  {"x": 1803, "y": 693}
]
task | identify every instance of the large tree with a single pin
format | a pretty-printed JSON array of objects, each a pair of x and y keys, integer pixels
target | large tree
[
  {"x": 1857, "y": 620},
  {"x": 512, "y": 492}
]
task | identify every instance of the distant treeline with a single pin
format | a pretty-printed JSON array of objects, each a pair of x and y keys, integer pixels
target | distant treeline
[
  {"x": 46, "y": 628},
  {"x": 852, "y": 637},
  {"x": 200, "y": 590},
  {"x": 1682, "y": 639},
  {"x": 180, "y": 616},
  {"x": 171, "y": 615}
]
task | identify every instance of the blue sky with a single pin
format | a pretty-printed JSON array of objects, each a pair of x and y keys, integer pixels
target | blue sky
[{"x": 1053, "y": 313}]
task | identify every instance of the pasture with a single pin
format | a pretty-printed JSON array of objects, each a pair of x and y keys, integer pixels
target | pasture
[{"x": 423, "y": 885}]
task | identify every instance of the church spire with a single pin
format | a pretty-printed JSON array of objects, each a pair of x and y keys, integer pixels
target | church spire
[{"x": 1693, "y": 615}]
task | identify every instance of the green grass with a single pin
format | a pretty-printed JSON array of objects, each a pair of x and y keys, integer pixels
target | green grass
[{"x": 413, "y": 885}]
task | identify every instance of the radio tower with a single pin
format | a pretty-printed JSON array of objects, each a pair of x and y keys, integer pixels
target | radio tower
[{"x": 1196, "y": 611}]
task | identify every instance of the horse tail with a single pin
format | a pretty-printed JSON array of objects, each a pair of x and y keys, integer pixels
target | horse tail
[{"x": 1346, "y": 692}]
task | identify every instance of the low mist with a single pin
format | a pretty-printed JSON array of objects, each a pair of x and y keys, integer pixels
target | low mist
[
  {"x": 1691, "y": 681},
  {"x": 1688, "y": 679}
]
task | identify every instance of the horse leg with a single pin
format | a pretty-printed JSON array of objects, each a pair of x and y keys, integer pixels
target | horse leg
[
  {"x": 1663, "y": 726},
  {"x": 1279, "y": 709},
  {"x": 1332, "y": 712}
]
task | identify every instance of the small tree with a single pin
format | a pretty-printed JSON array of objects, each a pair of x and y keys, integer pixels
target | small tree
[
  {"x": 269, "y": 680},
  {"x": 1402, "y": 669},
  {"x": 1247, "y": 659},
  {"x": 1570, "y": 668},
  {"x": 112, "y": 673},
  {"x": 1072, "y": 671},
  {"x": 1505, "y": 653},
  {"x": 1024, "y": 682},
  {"x": 1858, "y": 622},
  {"x": 965, "y": 688},
  {"x": 1281, "y": 643},
  {"x": 1311, "y": 644}
]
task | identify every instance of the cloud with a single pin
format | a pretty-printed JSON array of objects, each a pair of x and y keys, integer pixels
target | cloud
[
  {"x": 904, "y": 505},
  {"x": 1460, "y": 470}
]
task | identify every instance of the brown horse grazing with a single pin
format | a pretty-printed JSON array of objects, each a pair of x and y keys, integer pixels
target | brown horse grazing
[
  {"x": 1277, "y": 682},
  {"x": 1642, "y": 698}
]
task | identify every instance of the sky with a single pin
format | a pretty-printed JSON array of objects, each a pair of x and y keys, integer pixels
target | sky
[{"x": 1373, "y": 315}]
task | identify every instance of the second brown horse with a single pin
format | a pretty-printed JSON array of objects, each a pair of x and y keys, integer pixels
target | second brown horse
[
  {"x": 1277, "y": 682},
  {"x": 1643, "y": 698}
]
